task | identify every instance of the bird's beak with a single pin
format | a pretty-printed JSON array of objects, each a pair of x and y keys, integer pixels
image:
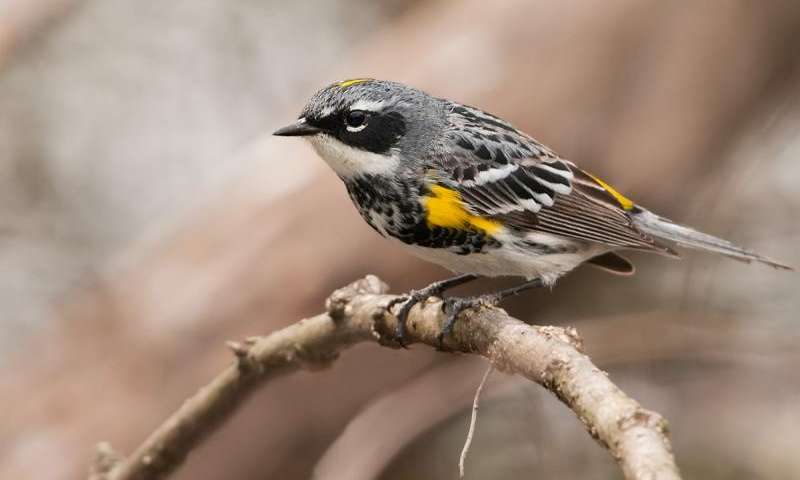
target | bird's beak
[{"x": 298, "y": 129}]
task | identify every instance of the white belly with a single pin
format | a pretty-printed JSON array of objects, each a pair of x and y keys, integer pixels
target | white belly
[{"x": 509, "y": 261}]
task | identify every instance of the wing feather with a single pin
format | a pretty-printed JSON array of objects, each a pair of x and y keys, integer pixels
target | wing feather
[{"x": 503, "y": 174}]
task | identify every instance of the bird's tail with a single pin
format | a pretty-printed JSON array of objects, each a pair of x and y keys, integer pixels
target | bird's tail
[{"x": 683, "y": 236}]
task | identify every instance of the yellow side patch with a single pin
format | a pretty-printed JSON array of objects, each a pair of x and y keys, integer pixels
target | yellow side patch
[
  {"x": 354, "y": 81},
  {"x": 625, "y": 202},
  {"x": 444, "y": 208}
]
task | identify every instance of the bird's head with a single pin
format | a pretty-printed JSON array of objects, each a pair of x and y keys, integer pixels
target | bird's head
[{"x": 366, "y": 126}]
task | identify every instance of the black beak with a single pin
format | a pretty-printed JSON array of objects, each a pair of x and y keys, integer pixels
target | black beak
[{"x": 297, "y": 129}]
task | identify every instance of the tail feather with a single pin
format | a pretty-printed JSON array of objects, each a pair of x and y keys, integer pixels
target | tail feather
[{"x": 684, "y": 236}]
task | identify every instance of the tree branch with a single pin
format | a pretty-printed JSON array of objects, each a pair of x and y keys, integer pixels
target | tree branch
[{"x": 551, "y": 356}]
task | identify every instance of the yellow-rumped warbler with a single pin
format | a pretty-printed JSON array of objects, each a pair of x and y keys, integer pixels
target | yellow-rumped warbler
[{"x": 466, "y": 190}]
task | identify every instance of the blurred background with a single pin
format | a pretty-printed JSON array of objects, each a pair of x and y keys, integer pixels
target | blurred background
[{"x": 147, "y": 216}]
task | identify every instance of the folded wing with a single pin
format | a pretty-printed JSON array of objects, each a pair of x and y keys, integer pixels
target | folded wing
[{"x": 504, "y": 175}]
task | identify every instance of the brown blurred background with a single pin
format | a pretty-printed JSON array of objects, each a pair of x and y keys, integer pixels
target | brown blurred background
[{"x": 146, "y": 216}]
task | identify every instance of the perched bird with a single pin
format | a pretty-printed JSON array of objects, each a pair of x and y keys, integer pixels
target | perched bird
[{"x": 464, "y": 189}]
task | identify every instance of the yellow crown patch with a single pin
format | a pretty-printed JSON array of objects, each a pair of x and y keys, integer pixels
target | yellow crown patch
[{"x": 351, "y": 82}]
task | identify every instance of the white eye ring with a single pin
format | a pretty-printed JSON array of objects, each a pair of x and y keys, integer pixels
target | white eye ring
[
  {"x": 355, "y": 121},
  {"x": 356, "y": 129}
]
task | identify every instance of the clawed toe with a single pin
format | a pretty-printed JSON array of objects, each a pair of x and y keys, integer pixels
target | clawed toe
[
  {"x": 454, "y": 306},
  {"x": 407, "y": 303},
  {"x": 451, "y": 306},
  {"x": 419, "y": 296}
]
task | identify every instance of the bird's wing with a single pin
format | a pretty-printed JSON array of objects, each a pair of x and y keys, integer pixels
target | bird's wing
[{"x": 503, "y": 175}]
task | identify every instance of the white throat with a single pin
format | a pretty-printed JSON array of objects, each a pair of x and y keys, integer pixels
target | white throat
[{"x": 349, "y": 161}]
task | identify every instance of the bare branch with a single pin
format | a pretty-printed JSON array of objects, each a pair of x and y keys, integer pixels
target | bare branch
[{"x": 551, "y": 356}]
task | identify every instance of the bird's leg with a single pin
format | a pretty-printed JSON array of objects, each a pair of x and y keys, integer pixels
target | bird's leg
[
  {"x": 417, "y": 296},
  {"x": 453, "y": 306},
  {"x": 516, "y": 290}
]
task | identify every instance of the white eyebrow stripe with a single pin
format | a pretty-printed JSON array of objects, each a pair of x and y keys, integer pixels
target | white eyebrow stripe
[{"x": 368, "y": 105}]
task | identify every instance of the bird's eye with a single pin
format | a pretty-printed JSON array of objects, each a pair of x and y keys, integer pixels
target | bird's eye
[{"x": 356, "y": 120}]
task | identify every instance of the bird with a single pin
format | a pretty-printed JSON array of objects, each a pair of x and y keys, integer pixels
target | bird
[{"x": 466, "y": 190}]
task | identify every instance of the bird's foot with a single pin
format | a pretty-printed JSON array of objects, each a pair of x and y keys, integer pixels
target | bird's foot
[
  {"x": 414, "y": 297},
  {"x": 454, "y": 306}
]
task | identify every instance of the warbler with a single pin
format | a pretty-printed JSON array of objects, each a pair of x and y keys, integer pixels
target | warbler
[{"x": 466, "y": 190}]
